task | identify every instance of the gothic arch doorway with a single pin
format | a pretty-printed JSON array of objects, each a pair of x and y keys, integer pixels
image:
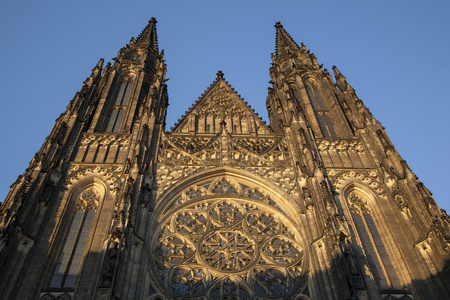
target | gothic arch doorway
[{"x": 223, "y": 235}]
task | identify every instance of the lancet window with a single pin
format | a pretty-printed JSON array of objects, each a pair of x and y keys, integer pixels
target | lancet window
[
  {"x": 119, "y": 107},
  {"x": 71, "y": 258},
  {"x": 322, "y": 114},
  {"x": 373, "y": 245}
]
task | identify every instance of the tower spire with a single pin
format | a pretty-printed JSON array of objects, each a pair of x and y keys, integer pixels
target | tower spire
[
  {"x": 283, "y": 41},
  {"x": 148, "y": 36}
]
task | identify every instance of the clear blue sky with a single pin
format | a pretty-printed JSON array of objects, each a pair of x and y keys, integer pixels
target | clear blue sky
[{"x": 394, "y": 53}]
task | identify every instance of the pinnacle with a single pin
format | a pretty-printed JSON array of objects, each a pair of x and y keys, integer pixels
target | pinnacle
[
  {"x": 148, "y": 35},
  {"x": 283, "y": 40},
  {"x": 220, "y": 74}
]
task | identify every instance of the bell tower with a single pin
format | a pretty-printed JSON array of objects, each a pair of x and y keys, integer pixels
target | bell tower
[
  {"x": 65, "y": 221},
  {"x": 365, "y": 207}
]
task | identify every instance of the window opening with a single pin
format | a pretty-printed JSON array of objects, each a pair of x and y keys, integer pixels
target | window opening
[
  {"x": 119, "y": 107},
  {"x": 71, "y": 258},
  {"x": 322, "y": 115}
]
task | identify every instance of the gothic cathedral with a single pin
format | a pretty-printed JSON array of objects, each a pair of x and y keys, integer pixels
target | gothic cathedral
[{"x": 317, "y": 205}]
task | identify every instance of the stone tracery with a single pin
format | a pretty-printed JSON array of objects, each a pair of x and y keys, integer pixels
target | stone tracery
[{"x": 227, "y": 242}]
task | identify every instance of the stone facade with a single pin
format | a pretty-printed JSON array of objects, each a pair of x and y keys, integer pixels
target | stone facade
[{"x": 318, "y": 205}]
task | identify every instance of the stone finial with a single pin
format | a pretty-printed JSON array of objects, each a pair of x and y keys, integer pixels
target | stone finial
[
  {"x": 278, "y": 25},
  {"x": 153, "y": 20},
  {"x": 220, "y": 74}
]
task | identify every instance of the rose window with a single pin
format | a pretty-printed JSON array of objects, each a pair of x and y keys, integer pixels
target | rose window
[
  {"x": 228, "y": 246},
  {"x": 228, "y": 250}
]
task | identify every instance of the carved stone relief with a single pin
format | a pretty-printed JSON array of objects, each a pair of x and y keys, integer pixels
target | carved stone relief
[
  {"x": 358, "y": 206},
  {"x": 221, "y": 104},
  {"x": 224, "y": 240},
  {"x": 340, "y": 145},
  {"x": 88, "y": 200},
  {"x": 343, "y": 153},
  {"x": 105, "y": 139},
  {"x": 265, "y": 156},
  {"x": 368, "y": 178},
  {"x": 221, "y": 186},
  {"x": 109, "y": 173}
]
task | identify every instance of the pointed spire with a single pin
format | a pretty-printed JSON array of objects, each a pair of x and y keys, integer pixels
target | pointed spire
[
  {"x": 341, "y": 81},
  {"x": 283, "y": 40},
  {"x": 148, "y": 36},
  {"x": 98, "y": 68}
]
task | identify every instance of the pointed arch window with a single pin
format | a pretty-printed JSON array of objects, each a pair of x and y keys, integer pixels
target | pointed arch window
[
  {"x": 373, "y": 245},
  {"x": 322, "y": 114},
  {"x": 71, "y": 258},
  {"x": 119, "y": 107}
]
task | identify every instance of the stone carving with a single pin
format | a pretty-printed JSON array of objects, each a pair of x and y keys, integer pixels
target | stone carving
[
  {"x": 369, "y": 178},
  {"x": 223, "y": 103},
  {"x": 224, "y": 212},
  {"x": 108, "y": 173},
  {"x": 222, "y": 246},
  {"x": 109, "y": 265},
  {"x": 230, "y": 289},
  {"x": 188, "y": 281},
  {"x": 223, "y": 186},
  {"x": 105, "y": 139},
  {"x": 257, "y": 145},
  {"x": 358, "y": 206},
  {"x": 228, "y": 250},
  {"x": 88, "y": 200},
  {"x": 267, "y": 156},
  {"x": 191, "y": 144},
  {"x": 339, "y": 145},
  {"x": 47, "y": 193}
]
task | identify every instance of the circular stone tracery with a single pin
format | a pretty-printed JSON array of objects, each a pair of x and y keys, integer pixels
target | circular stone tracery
[{"x": 228, "y": 248}]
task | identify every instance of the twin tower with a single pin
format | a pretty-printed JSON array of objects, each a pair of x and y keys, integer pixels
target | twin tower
[{"x": 318, "y": 205}]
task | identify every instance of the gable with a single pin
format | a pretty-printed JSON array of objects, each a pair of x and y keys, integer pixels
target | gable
[{"x": 221, "y": 106}]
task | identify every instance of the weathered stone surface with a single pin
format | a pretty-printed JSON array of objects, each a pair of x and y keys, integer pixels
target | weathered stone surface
[{"x": 318, "y": 205}]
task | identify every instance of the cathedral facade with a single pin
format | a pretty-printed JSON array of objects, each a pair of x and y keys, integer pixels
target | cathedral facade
[{"x": 316, "y": 205}]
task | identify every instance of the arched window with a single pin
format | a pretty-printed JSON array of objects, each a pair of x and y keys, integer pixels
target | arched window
[
  {"x": 71, "y": 257},
  {"x": 373, "y": 245},
  {"x": 119, "y": 107},
  {"x": 321, "y": 112}
]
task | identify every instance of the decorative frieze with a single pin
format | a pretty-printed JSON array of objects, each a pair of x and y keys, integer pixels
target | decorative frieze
[
  {"x": 339, "y": 145},
  {"x": 105, "y": 139},
  {"x": 267, "y": 157},
  {"x": 366, "y": 177},
  {"x": 109, "y": 173}
]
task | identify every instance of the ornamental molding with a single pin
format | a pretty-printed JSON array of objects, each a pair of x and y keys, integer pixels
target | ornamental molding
[
  {"x": 215, "y": 183},
  {"x": 369, "y": 178},
  {"x": 282, "y": 177},
  {"x": 88, "y": 200},
  {"x": 105, "y": 139},
  {"x": 108, "y": 173},
  {"x": 222, "y": 102},
  {"x": 267, "y": 157},
  {"x": 339, "y": 145}
]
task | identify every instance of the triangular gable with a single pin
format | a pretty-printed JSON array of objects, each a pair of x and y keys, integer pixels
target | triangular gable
[{"x": 219, "y": 106}]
